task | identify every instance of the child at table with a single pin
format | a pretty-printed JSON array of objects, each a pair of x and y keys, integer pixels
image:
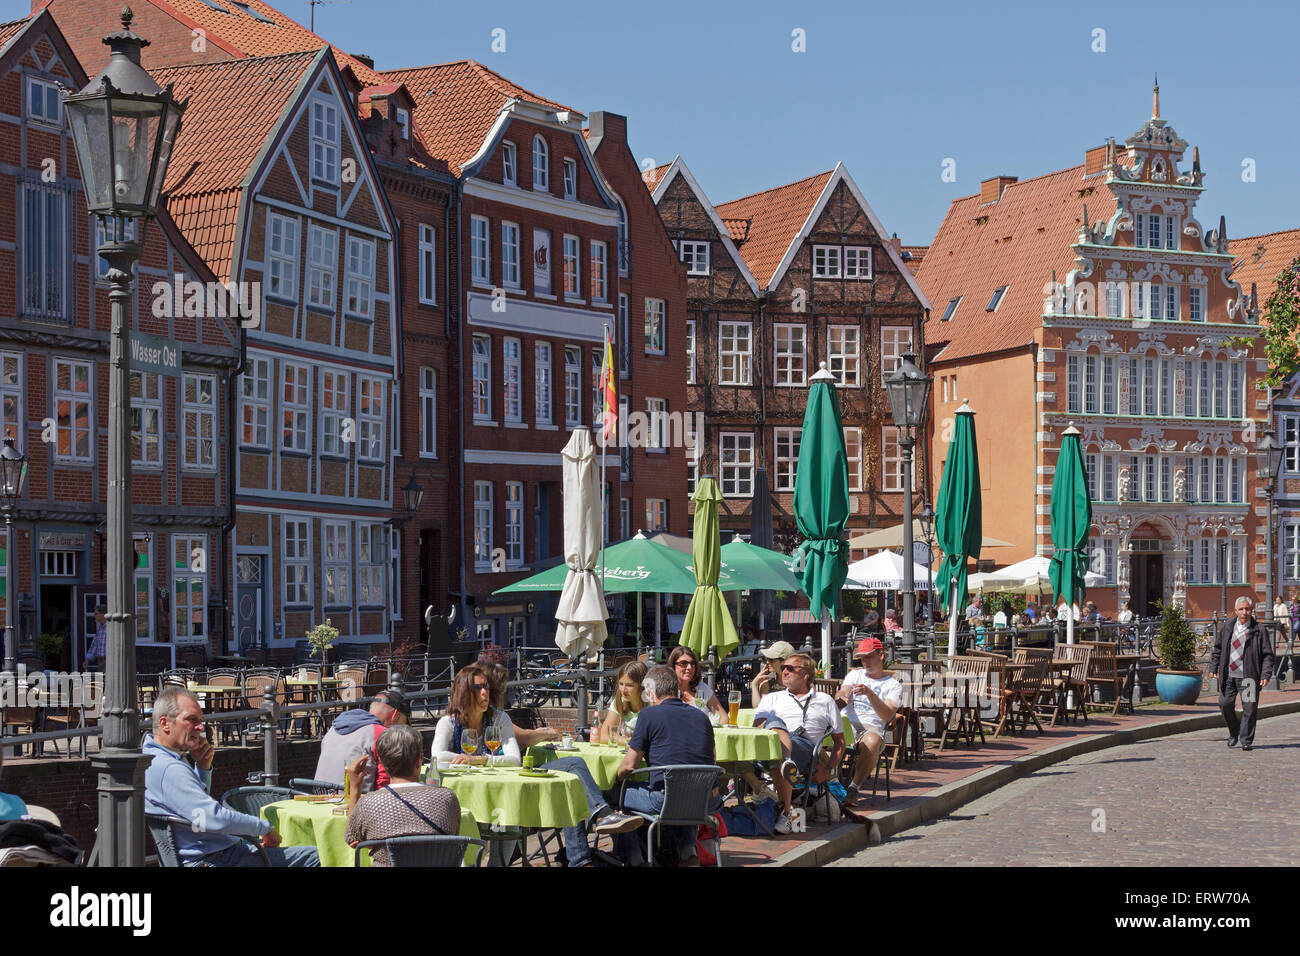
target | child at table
[{"x": 627, "y": 702}]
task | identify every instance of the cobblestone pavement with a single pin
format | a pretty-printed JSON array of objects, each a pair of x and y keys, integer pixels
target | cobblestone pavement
[{"x": 1171, "y": 801}]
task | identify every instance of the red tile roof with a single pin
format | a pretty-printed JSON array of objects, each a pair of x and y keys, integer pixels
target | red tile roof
[
  {"x": 776, "y": 216},
  {"x": 10, "y": 30},
  {"x": 456, "y": 105},
  {"x": 917, "y": 254},
  {"x": 739, "y": 228},
  {"x": 233, "y": 107},
  {"x": 1014, "y": 242},
  {"x": 1261, "y": 258},
  {"x": 653, "y": 177}
]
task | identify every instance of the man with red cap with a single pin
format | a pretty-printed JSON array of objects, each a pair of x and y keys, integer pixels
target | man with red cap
[{"x": 872, "y": 698}]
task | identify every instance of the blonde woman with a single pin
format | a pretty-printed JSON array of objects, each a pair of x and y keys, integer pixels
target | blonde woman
[{"x": 627, "y": 702}]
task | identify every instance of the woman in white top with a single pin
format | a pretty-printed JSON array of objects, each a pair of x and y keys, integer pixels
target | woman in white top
[
  {"x": 1125, "y": 615},
  {"x": 470, "y": 708},
  {"x": 695, "y": 692}
]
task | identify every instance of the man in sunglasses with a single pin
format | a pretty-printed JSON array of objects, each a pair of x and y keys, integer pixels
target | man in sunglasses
[{"x": 801, "y": 717}]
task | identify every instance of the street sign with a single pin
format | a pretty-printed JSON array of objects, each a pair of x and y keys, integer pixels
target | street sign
[{"x": 149, "y": 353}]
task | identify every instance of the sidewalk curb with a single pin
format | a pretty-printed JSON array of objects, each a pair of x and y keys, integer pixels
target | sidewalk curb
[{"x": 848, "y": 837}]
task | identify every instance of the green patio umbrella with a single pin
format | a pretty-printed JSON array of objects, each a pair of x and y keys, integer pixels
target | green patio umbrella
[
  {"x": 708, "y": 619},
  {"x": 636, "y": 564},
  {"x": 762, "y": 569},
  {"x": 821, "y": 503},
  {"x": 1071, "y": 521},
  {"x": 958, "y": 518}
]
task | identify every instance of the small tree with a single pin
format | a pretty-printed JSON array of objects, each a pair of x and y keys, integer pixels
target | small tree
[
  {"x": 1176, "y": 641},
  {"x": 1281, "y": 322},
  {"x": 322, "y": 638}
]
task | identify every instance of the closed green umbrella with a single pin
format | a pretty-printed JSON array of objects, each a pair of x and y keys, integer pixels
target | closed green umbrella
[
  {"x": 1071, "y": 521},
  {"x": 708, "y": 619},
  {"x": 821, "y": 503},
  {"x": 958, "y": 518}
]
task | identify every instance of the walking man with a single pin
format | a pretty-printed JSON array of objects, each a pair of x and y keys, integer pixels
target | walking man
[{"x": 1246, "y": 656}]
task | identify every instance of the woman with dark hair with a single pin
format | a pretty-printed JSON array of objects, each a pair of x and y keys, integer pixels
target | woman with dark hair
[
  {"x": 686, "y": 667},
  {"x": 470, "y": 709},
  {"x": 499, "y": 675},
  {"x": 627, "y": 702}
]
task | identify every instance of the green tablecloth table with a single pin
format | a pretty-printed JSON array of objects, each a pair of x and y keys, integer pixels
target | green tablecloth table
[
  {"x": 306, "y": 823},
  {"x": 601, "y": 759},
  {"x": 746, "y": 719},
  {"x": 500, "y": 796},
  {"x": 746, "y": 744}
]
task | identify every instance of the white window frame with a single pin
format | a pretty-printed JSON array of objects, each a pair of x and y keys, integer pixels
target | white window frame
[
  {"x": 146, "y": 419},
  {"x": 572, "y": 252},
  {"x": 428, "y": 265},
  {"x": 541, "y": 164},
  {"x": 656, "y": 329},
  {"x": 482, "y": 526},
  {"x": 512, "y": 379},
  {"x": 786, "y": 360},
  {"x": 570, "y": 179},
  {"x": 853, "y": 456},
  {"x": 543, "y": 383},
  {"x": 295, "y": 407},
  {"x": 695, "y": 254},
  {"x": 481, "y": 369},
  {"x": 295, "y": 562},
  {"x": 1291, "y": 551},
  {"x": 509, "y": 163},
  {"x": 198, "y": 422},
  {"x": 480, "y": 250},
  {"x": 891, "y": 466},
  {"x": 736, "y": 464},
  {"x": 371, "y": 431},
  {"x": 656, "y": 425},
  {"x": 572, "y": 386},
  {"x": 281, "y": 257},
  {"x": 403, "y": 119},
  {"x": 893, "y": 346},
  {"x": 255, "y": 403},
  {"x": 1289, "y": 433},
  {"x": 656, "y": 514},
  {"x": 324, "y": 142},
  {"x": 597, "y": 398},
  {"x": 322, "y": 266},
  {"x": 599, "y": 270},
  {"x": 184, "y": 606},
  {"x": 514, "y": 524},
  {"x": 785, "y": 457},
  {"x": 995, "y": 301},
  {"x": 336, "y": 563},
  {"x": 735, "y": 353},
  {"x": 510, "y": 271},
  {"x": 691, "y": 356},
  {"x": 828, "y": 262},
  {"x": 844, "y": 355},
  {"x": 334, "y": 408},
  {"x": 49, "y": 97},
  {"x": 428, "y": 412},
  {"x": 951, "y": 309},
  {"x": 857, "y": 263},
  {"x": 372, "y": 564},
  {"x": 65, "y": 426},
  {"x": 1196, "y": 303}
]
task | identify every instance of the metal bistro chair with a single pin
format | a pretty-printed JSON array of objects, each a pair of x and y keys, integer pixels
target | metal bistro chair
[
  {"x": 439, "y": 851},
  {"x": 319, "y": 788},
  {"x": 251, "y": 800},
  {"x": 162, "y": 827},
  {"x": 688, "y": 790}
]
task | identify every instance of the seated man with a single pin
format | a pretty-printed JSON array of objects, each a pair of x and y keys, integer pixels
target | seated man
[
  {"x": 355, "y": 732},
  {"x": 801, "y": 717},
  {"x": 668, "y": 731},
  {"x": 404, "y": 806},
  {"x": 872, "y": 698},
  {"x": 769, "y": 678},
  {"x": 172, "y": 786}
]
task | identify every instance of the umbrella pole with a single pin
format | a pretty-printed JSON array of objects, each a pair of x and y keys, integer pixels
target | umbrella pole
[
  {"x": 659, "y": 628},
  {"x": 952, "y": 628},
  {"x": 640, "y": 634},
  {"x": 826, "y": 640}
]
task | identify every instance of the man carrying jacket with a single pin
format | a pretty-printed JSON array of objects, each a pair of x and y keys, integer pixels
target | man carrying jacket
[{"x": 1242, "y": 660}]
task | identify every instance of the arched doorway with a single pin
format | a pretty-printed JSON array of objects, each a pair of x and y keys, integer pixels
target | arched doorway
[{"x": 1147, "y": 570}]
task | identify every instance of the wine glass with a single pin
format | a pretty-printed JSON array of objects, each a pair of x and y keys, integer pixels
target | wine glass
[
  {"x": 623, "y": 732},
  {"x": 469, "y": 742},
  {"x": 492, "y": 739}
]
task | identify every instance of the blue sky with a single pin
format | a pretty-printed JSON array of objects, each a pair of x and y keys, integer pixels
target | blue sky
[{"x": 890, "y": 89}]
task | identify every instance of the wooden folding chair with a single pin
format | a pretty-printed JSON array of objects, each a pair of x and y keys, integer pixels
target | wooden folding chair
[
  {"x": 1103, "y": 672},
  {"x": 1075, "y": 681},
  {"x": 1020, "y": 695}
]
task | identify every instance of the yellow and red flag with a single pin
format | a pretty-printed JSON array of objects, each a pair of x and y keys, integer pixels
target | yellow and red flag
[{"x": 609, "y": 391}]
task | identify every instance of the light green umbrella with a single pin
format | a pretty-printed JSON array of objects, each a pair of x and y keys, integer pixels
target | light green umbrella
[
  {"x": 761, "y": 569},
  {"x": 1071, "y": 521},
  {"x": 958, "y": 518},
  {"x": 708, "y": 619},
  {"x": 821, "y": 503}
]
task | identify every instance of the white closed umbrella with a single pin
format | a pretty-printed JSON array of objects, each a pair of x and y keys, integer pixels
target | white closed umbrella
[{"x": 581, "y": 611}]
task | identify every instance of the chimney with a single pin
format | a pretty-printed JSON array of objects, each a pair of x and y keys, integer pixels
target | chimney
[
  {"x": 991, "y": 189},
  {"x": 1094, "y": 160},
  {"x": 365, "y": 58},
  {"x": 606, "y": 126}
]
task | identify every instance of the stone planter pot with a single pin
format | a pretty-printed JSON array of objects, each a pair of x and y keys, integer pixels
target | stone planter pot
[{"x": 1178, "y": 687}]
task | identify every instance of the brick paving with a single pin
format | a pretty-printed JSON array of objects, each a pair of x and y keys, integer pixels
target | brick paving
[
  {"x": 1168, "y": 801},
  {"x": 912, "y": 783}
]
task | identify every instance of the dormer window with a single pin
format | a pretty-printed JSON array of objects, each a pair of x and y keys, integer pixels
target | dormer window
[
  {"x": 570, "y": 179},
  {"x": 541, "y": 165},
  {"x": 508, "y": 164},
  {"x": 404, "y": 122}
]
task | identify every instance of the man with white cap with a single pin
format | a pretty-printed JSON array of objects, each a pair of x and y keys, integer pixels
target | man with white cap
[
  {"x": 769, "y": 678},
  {"x": 872, "y": 698}
]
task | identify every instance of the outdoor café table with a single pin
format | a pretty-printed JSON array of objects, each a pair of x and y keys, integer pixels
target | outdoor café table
[
  {"x": 314, "y": 823},
  {"x": 603, "y": 760},
  {"x": 745, "y": 718},
  {"x": 301, "y": 691}
]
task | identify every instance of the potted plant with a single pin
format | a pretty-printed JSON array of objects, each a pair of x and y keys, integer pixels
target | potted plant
[
  {"x": 50, "y": 647},
  {"x": 322, "y": 638},
  {"x": 1176, "y": 680}
]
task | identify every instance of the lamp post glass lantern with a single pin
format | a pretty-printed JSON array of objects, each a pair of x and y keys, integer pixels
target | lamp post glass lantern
[
  {"x": 123, "y": 127},
  {"x": 13, "y": 474},
  {"x": 412, "y": 495},
  {"x": 909, "y": 399}
]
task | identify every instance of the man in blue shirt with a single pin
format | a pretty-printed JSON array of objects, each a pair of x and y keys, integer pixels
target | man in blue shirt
[
  {"x": 173, "y": 786},
  {"x": 667, "y": 732}
]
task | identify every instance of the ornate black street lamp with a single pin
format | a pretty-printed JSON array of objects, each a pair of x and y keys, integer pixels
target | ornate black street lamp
[
  {"x": 909, "y": 398},
  {"x": 13, "y": 473}
]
